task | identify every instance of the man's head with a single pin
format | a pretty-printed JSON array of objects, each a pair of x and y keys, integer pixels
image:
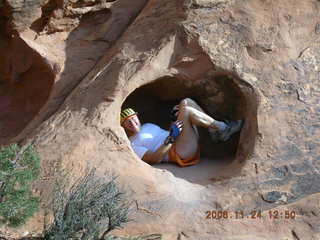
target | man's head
[{"x": 130, "y": 121}]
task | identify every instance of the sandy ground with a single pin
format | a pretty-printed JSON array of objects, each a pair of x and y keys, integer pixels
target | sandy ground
[{"x": 202, "y": 173}]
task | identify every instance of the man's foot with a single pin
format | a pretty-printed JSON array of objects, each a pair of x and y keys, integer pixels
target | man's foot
[{"x": 232, "y": 127}]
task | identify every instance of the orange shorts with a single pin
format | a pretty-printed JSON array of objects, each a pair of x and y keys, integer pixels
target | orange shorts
[{"x": 174, "y": 157}]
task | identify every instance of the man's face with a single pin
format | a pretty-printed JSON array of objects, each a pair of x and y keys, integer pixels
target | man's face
[{"x": 132, "y": 124}]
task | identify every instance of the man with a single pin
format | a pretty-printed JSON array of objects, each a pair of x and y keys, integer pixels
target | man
[{"x": 180, "y": 145}]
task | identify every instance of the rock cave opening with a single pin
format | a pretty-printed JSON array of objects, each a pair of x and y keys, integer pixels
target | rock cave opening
[
  {"x": 26, "y": 81},
  {"x": 218, "y": 95}
]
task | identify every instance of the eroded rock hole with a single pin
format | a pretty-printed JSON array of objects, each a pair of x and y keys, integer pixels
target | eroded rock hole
[
  {"x": 25, "y": 84},
  {"x": 218, "y": 95}
]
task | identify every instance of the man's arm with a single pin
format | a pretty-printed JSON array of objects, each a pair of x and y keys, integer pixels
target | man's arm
[{"x": 158, "y": 155}]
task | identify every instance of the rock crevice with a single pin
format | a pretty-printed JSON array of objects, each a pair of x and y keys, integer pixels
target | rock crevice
[{"x": 239, "y": 59}]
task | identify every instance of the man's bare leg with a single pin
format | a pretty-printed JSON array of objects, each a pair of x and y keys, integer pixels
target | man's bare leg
[
  {"x": 192, "y": 116},
  {"x": 187, "y": 142},
  {"x": 203, "y": 117},
  {"x": 192, "y": 103}
]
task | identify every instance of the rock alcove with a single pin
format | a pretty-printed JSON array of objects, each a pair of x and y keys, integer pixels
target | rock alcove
[
  {"x": 220, "y": 96},
  {"x": 25, "y": 85}
]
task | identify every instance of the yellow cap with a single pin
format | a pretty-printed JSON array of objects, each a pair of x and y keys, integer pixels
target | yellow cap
[{"x": 126, "y": 113}]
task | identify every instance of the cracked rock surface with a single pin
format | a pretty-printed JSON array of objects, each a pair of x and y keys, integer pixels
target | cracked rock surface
[{"x": 86, "y": 58}]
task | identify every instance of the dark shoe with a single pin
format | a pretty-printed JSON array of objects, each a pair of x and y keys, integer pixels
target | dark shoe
[{"x": 232, "y": 127}]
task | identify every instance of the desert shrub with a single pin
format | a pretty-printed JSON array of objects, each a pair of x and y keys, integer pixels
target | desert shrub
[
  {"x": 90, "y": 208},
  {"x": 18, "y": 168}
]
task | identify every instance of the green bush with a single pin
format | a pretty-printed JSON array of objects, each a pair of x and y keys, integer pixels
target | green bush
[
  {"x": 18, "y": 168},
  {"x": 89, "y": 209}
]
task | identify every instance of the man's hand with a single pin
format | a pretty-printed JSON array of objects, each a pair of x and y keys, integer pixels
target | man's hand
[
  {"x": 176, "y": 109},
  {"x": 175, "y": 129},
  {"x": 174, "y": 113}
]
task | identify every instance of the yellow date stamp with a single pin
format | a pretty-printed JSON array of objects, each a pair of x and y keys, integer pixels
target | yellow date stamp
[{"x": 253, "y": 214}]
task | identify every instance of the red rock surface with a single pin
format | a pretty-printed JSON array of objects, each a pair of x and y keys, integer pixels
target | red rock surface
[{"x": 257, "y": 60}]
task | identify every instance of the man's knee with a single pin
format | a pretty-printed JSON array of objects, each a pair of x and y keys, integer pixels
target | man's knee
[
  {"x": 188, "y": 101},
  {"x": 184, "y": 112},
  {"x": 182, "y": 105}
]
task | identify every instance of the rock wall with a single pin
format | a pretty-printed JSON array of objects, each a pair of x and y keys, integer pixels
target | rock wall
[{"x": 260, "y": 57}]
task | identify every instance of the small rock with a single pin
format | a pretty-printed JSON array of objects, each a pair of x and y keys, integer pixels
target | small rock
[
  {"x": 271, "y": 197},
  {"x": 317, "y": 28},
  {"x": 280, "y": 172},
  {"x": 208, "y": 3},
  {"x": 303, "y": 94},
  {"x": 274, "y": 197}
]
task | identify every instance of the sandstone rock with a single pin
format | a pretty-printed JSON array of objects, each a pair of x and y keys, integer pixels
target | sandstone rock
[
  {"x": 208, "y": 3},
  {"x": 22, "y": 13},
  {"x": 257, "y": 60}
]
